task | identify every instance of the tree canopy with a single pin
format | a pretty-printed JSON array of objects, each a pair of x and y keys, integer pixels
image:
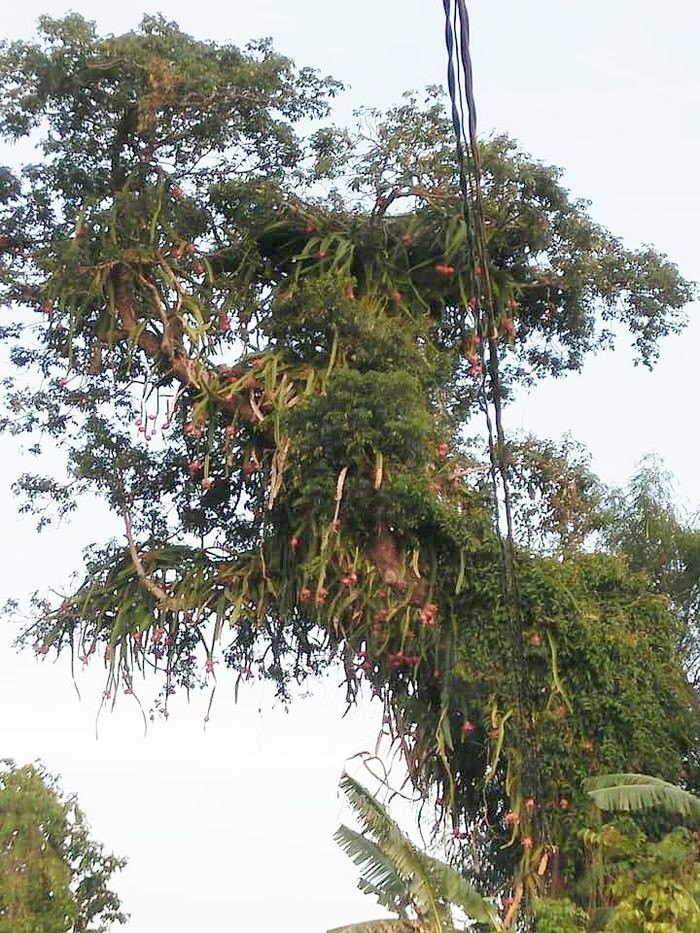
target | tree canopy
[
  {"x": 260, "y": 339},
  {"x": 53, "y": 876}
]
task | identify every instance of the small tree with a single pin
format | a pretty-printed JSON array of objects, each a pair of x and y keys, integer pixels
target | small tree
[
  {"x": 423, "y": 891},
  {"x": 53, "y": 876}
]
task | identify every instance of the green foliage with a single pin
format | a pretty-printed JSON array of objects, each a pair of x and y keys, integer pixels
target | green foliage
[
  {"x": 650, "y": 886},
  {"x": 657, "y": 539},
  {"x": 634, "y": 792},
  {"x": 53, "y": 876},
  {"x": 559, "y": 915},
  {"x": 271, "y": 385},
  {"x": 420, "y": 889},
  {"x": 558, "y": 503},
  {"x": 658, "y": 891}
]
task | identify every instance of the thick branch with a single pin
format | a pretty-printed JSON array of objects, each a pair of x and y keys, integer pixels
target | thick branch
[
  {"x": 163, "y": 349},
  {"x": 152, "y": 587}
]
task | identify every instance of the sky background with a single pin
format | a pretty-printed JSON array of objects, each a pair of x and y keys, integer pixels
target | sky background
[{"x": 229, "y": 827}]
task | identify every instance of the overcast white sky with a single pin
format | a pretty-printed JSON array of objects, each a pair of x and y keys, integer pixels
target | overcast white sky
[{"x": 229, "y": 829}]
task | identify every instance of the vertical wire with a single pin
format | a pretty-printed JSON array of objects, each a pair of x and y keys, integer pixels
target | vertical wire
[{"x": 457, "y": 27}]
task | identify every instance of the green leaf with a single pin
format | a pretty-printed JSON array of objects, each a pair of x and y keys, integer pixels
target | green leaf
[{"x": 634, "y": 792}]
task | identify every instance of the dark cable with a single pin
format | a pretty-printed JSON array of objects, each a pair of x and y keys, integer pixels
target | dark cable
[{"x": 460, "y": 85}]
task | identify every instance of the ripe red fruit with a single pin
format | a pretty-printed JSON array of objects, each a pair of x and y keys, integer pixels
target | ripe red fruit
[
  {"x": 249, "y": 468},
  {"x": 439, "y": 192},
  {"x": 4, "y": 242},
  {"x": 406, "y": 239},
  {"x": 396, "y": 296},
  {"x": 527, "y": 842},
  {"x": 321, "y": 254},
  {"x": 382, "y": 202},
  {"x": 513, "y": 304},
  {"x": 195, "y": 466},
  {"x": 178, "y": 193},
  {"x": 230, "y": 430},
  {"x": 294, "y": 542},
  {"x": 443, "y": 269},
  {"x": 468, "y": 727},
  {"x": 81, "y": 232},
  {"x": 304, "y": 594},
  {"x": 349, "y": 292},
  {"x": 509, "y": 327},
  {"x": 193, "y": 431},
  {"x": 474, "y": 365},
  {"x": 42, "y": 649},
  {"x": 428, "y": 615},
  {"x": 207, "y": 482},
  {"x": 47, "y": 307},
  {"x": 478, "y": 271},
  {"x": 563, "y": 803},
  {"x": 321, "y": 594},
  {"x": 440, "y": 802},
  {"x": 443, "y": 449},
  {"x": 224, "y": 323},
  {"x": 176, "y": 252},
  {"x": 190, "y": 249},
  {"x": 199, "y": 268},
  {"x": 512, "y": 818},
  {"x": 535, "y": 639},
  {"x": 63, "y": 382},
  {"x": 529, "y": 803},
  {"x": 310, "y": 227}
]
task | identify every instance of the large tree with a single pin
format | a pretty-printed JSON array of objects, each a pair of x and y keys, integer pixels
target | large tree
[
  {"x": 53, "y": 877},
  {"x": 264, "y": 349}
]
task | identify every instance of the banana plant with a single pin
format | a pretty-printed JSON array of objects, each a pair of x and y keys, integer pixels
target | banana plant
[
  {"x": 634, "y": 792},
  {"x": 420, "y": 889}
]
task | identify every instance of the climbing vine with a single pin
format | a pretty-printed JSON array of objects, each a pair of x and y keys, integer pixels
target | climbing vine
[{"x": 268, "y": 362}]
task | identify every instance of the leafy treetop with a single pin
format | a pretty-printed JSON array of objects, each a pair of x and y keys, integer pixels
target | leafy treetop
[
  {"x": 53, "y": 876},
  {"x": 301, "y": 316}
]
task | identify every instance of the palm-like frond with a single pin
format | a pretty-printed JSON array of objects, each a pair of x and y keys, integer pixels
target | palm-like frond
[
  {"x": 414, "y": 878},
  {"x": 380, "y": 875},
  {"x": 632, "y": 792},
  {"x": 454, "y": 889},
  {"x": 371, "y": 815},
  {"x": 400, "y": 852}
]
